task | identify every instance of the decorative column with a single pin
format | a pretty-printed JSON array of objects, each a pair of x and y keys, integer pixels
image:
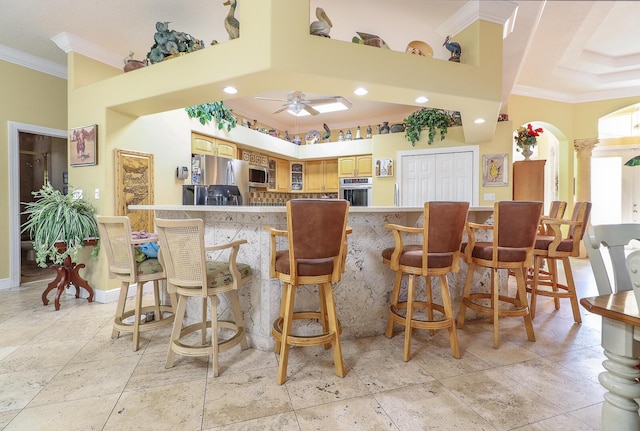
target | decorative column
[{"x": 584, "y": 148}]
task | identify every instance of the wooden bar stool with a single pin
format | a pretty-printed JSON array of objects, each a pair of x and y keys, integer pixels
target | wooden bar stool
[
  {"x": 514, "y": 234},
  {"x": 436, "y": 256},
  {"x": 316, "y": 235},
  {"x": 118, "y": 244},
  {"x": 191, "y": 274},
  {"x": 553, "y": 246}
]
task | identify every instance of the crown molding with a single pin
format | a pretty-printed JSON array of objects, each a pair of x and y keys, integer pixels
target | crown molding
[
  {"x": 592, "y": 96},
  {"x": 69, "y": 42},
  {"x": 498, "y": 12},
  {"x": 32, "y": 62}
]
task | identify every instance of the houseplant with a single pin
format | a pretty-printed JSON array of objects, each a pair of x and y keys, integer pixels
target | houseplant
[
  {"x": 526, "y": 138},
  {"x": 54, "y": 219},
  {"x": 433, "y": 119},
  {"x": 208, "y": 111}
]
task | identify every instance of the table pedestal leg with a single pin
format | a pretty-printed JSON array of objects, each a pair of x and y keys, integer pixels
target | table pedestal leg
[
  {"x": 620, "y": 410},
  {"x": 67, "y": 275}
]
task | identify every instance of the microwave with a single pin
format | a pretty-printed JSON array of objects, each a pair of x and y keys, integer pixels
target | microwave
[{"x": 258, "y": 176}]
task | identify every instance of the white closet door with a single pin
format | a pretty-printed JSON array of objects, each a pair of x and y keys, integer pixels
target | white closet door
[{"x": 442, "y": 177}]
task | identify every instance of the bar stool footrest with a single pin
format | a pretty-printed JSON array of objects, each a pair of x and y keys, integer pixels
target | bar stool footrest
[
  {"x": 304, "y": 340},
  {"x": 420, "y": 324},
  {"x": 519, "y": 311}
]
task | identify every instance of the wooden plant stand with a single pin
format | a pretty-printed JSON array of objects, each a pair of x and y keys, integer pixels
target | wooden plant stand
[{"x": 67, "y": 275}]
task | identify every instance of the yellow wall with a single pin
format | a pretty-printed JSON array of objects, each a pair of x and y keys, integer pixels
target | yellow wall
[{"x": 28, "y": 97}]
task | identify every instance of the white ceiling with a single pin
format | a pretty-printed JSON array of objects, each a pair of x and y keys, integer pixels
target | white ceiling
[{"x": 570, "y": 51}]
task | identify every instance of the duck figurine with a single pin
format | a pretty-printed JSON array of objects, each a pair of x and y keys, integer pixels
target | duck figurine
[
  {"x": 231, "y": 24},
  {"x": 327, "y": 135},
  {"x": 453, "y": 48},
  {"x": 322, "y": 27}
]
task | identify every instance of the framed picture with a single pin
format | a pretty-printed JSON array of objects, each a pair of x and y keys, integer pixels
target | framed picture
[
  {"x": 495, "y": 170},
  {"x": 134, "y": 186},
  {"x": 83, "y": 145},
  {"x": 384, "y": 168}
]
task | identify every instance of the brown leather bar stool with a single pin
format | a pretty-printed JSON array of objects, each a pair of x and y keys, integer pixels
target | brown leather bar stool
[
  {"x": 191, "y": 275},
  {"x": 117, "y": 242},
  {"x": 316, "y": 236},
  {"x": 553, "y": 246},
  {"x": 436, "y": 256},
  {"x": 514, "y": 234}
]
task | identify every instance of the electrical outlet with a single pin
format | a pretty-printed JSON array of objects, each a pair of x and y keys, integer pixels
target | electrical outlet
[
  {"x": 489, "y": 196},
  {"x": 97, "y": 193},
  {"x": 77, "y": 194}
]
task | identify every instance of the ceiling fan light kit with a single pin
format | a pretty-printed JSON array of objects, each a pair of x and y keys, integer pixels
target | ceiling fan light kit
[{"x": 297, "y": 104}]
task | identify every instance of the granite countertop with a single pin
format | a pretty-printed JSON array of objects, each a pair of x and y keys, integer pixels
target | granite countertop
[{"x": 279, "y": 209}]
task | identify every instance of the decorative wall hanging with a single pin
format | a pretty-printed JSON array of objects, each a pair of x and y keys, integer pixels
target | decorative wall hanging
[
  {"x": 495, "y": 170},
  {"x": 134, "y": 186},
  {"x": 384, "y": 168},
  {"x": 83, "y": 146}
]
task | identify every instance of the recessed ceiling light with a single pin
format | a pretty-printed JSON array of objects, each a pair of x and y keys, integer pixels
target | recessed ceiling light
[
  {"x": 360, "y": 91},
  {"x": 230, "y": 90},
  {"x": 422, "y": 99},
  {"x": 479, "y": 120}
]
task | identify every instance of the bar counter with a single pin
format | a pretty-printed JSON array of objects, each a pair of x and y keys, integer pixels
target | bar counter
[{"x": 362, "y": 295}]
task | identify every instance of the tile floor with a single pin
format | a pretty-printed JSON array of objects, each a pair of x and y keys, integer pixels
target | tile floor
[{"x": 62, "y": 371}]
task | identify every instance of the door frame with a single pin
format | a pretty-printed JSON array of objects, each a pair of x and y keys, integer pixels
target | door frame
[
  {"x": 475, "y": 175},
  {"x": 14, "y": 190}
]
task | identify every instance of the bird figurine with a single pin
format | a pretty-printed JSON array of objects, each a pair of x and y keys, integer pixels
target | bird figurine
[
  {"x": 453, "y": 48},
  {"x": 327, "y": 136},
  {"x": 231, "y": 24},
  {"x": 322, "y": 27}
]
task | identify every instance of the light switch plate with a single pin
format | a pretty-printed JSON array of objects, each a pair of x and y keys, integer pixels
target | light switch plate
[{"x": 489, "y": 196}]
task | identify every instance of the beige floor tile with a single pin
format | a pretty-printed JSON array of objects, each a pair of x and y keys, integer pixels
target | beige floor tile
[
  {"x": 6, "y": 417},
  {"x": 19, "y": 388},
  {"x": 430, "y": 406},
  {"x": 87, "y": 379},
  {"x": 480, "y": 344},
  {"x": 362, "y": 413},
  {"x": 382, "y": 370},
  {"x": 242, "y": 361},
  {"x": 557, "y": 385},
  {"x": 77, "y": 415},
  {"x": 311, "y": 384},
  {"x": 560, "y": 422},
  {"x": 585, "y": 362},
  {"x": 170, "y": 407},
  {"x": 591, "y": 415},
  {"x": 151, "y": 372},
  {"x": 240, "y": 397},
  {"x": 40, "y": 355},
  {"x": 281, "y": 422},
  {"x": 501, "y": 400}
]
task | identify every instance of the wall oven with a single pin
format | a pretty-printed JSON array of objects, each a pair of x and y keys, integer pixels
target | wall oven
[{"x": 358, "y": 191}]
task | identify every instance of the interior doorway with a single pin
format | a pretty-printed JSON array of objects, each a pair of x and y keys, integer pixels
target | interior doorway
[{"x": 36, "y": 154}]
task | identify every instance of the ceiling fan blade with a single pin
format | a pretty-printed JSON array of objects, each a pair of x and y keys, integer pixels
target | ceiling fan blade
[
  {"x": 310, "y": 110},
  {"x": 322, "y": 101},
  {"x": 270, "y": 98},
  {"x": 284, "y": 108}
]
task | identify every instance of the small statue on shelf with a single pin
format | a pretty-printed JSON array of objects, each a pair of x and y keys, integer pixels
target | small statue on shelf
[
  {"x": 454, "y": 48},
  {"x": 349, "y": 136},
  {"x": 340, "y": 136},
  {"x": 369, "y": 132},
  {"x": 358, "y": 135},
  {"x": 327, "y": 136}
]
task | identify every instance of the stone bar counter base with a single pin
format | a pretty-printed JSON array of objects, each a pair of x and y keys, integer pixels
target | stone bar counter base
[{"x": 362, "y": 297}]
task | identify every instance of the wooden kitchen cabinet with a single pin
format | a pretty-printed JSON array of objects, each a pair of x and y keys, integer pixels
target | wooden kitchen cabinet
[
  {"x": 203, "y": 144},
  {"x": 278, "y": 171},
  {"x": 321, "y": 176},
  {"x": 528, "y": 180},
  {"x": 297, "y": 176},
  {"x": 355, "y": 166}
]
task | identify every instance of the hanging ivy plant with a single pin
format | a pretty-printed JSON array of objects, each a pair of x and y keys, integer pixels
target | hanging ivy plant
[
  {"x": 433, "y": 119},
  {"x": 208, "y": 111}
]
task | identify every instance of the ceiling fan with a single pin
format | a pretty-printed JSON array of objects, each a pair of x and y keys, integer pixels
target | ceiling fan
[{"x": 296, "y": 102}]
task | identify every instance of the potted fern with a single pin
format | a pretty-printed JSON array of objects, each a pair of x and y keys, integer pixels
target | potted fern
[
  {"x": 59, "y": 225},
  {"x": 433, "y": 119}
]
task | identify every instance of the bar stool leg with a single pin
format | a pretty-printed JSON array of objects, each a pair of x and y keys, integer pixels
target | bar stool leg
[
  {"x": 290, "y": 294},
  {"x": 571, "y": 288},
  {"x": 334, "y": 329},
  {"x": 448, "y": 313},
  {"x": 495, "y": 305},
  {"x": 429, "y": 302},
  {"x": 465, "y": 294},
  {"x": 323, "y": 312},
  {"x": 137, "y": 316},
  {"x": 283, "y": 300},
  {"x": 214, "y": 334},
  {"x": 394, "y": 302},
  {"x": 177, "y": 328},
  {"x": 237, "y": 314},
  {"x": 122, "y": 300},
  {"x": 528, "y": 321},
  {"x": 157, "y": 315},
  {"x": 534, "y": 286},
  {"x": 408, "y": 318}
]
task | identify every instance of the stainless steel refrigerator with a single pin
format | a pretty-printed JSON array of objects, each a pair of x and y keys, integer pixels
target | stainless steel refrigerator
[{"x": 220, "y": 171}]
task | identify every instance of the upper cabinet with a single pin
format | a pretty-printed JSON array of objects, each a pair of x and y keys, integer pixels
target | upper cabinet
[
  {"x": 321, "y": 176},
  {"x": 278, "y": 175},
  {"x": 203, "y": 144},
  {"x": 355, "y": 166}
]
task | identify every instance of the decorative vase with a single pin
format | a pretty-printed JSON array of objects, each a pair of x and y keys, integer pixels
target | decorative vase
[
  {"x": 527, "y": 151},
  {"x": 385, "y": 128}
]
